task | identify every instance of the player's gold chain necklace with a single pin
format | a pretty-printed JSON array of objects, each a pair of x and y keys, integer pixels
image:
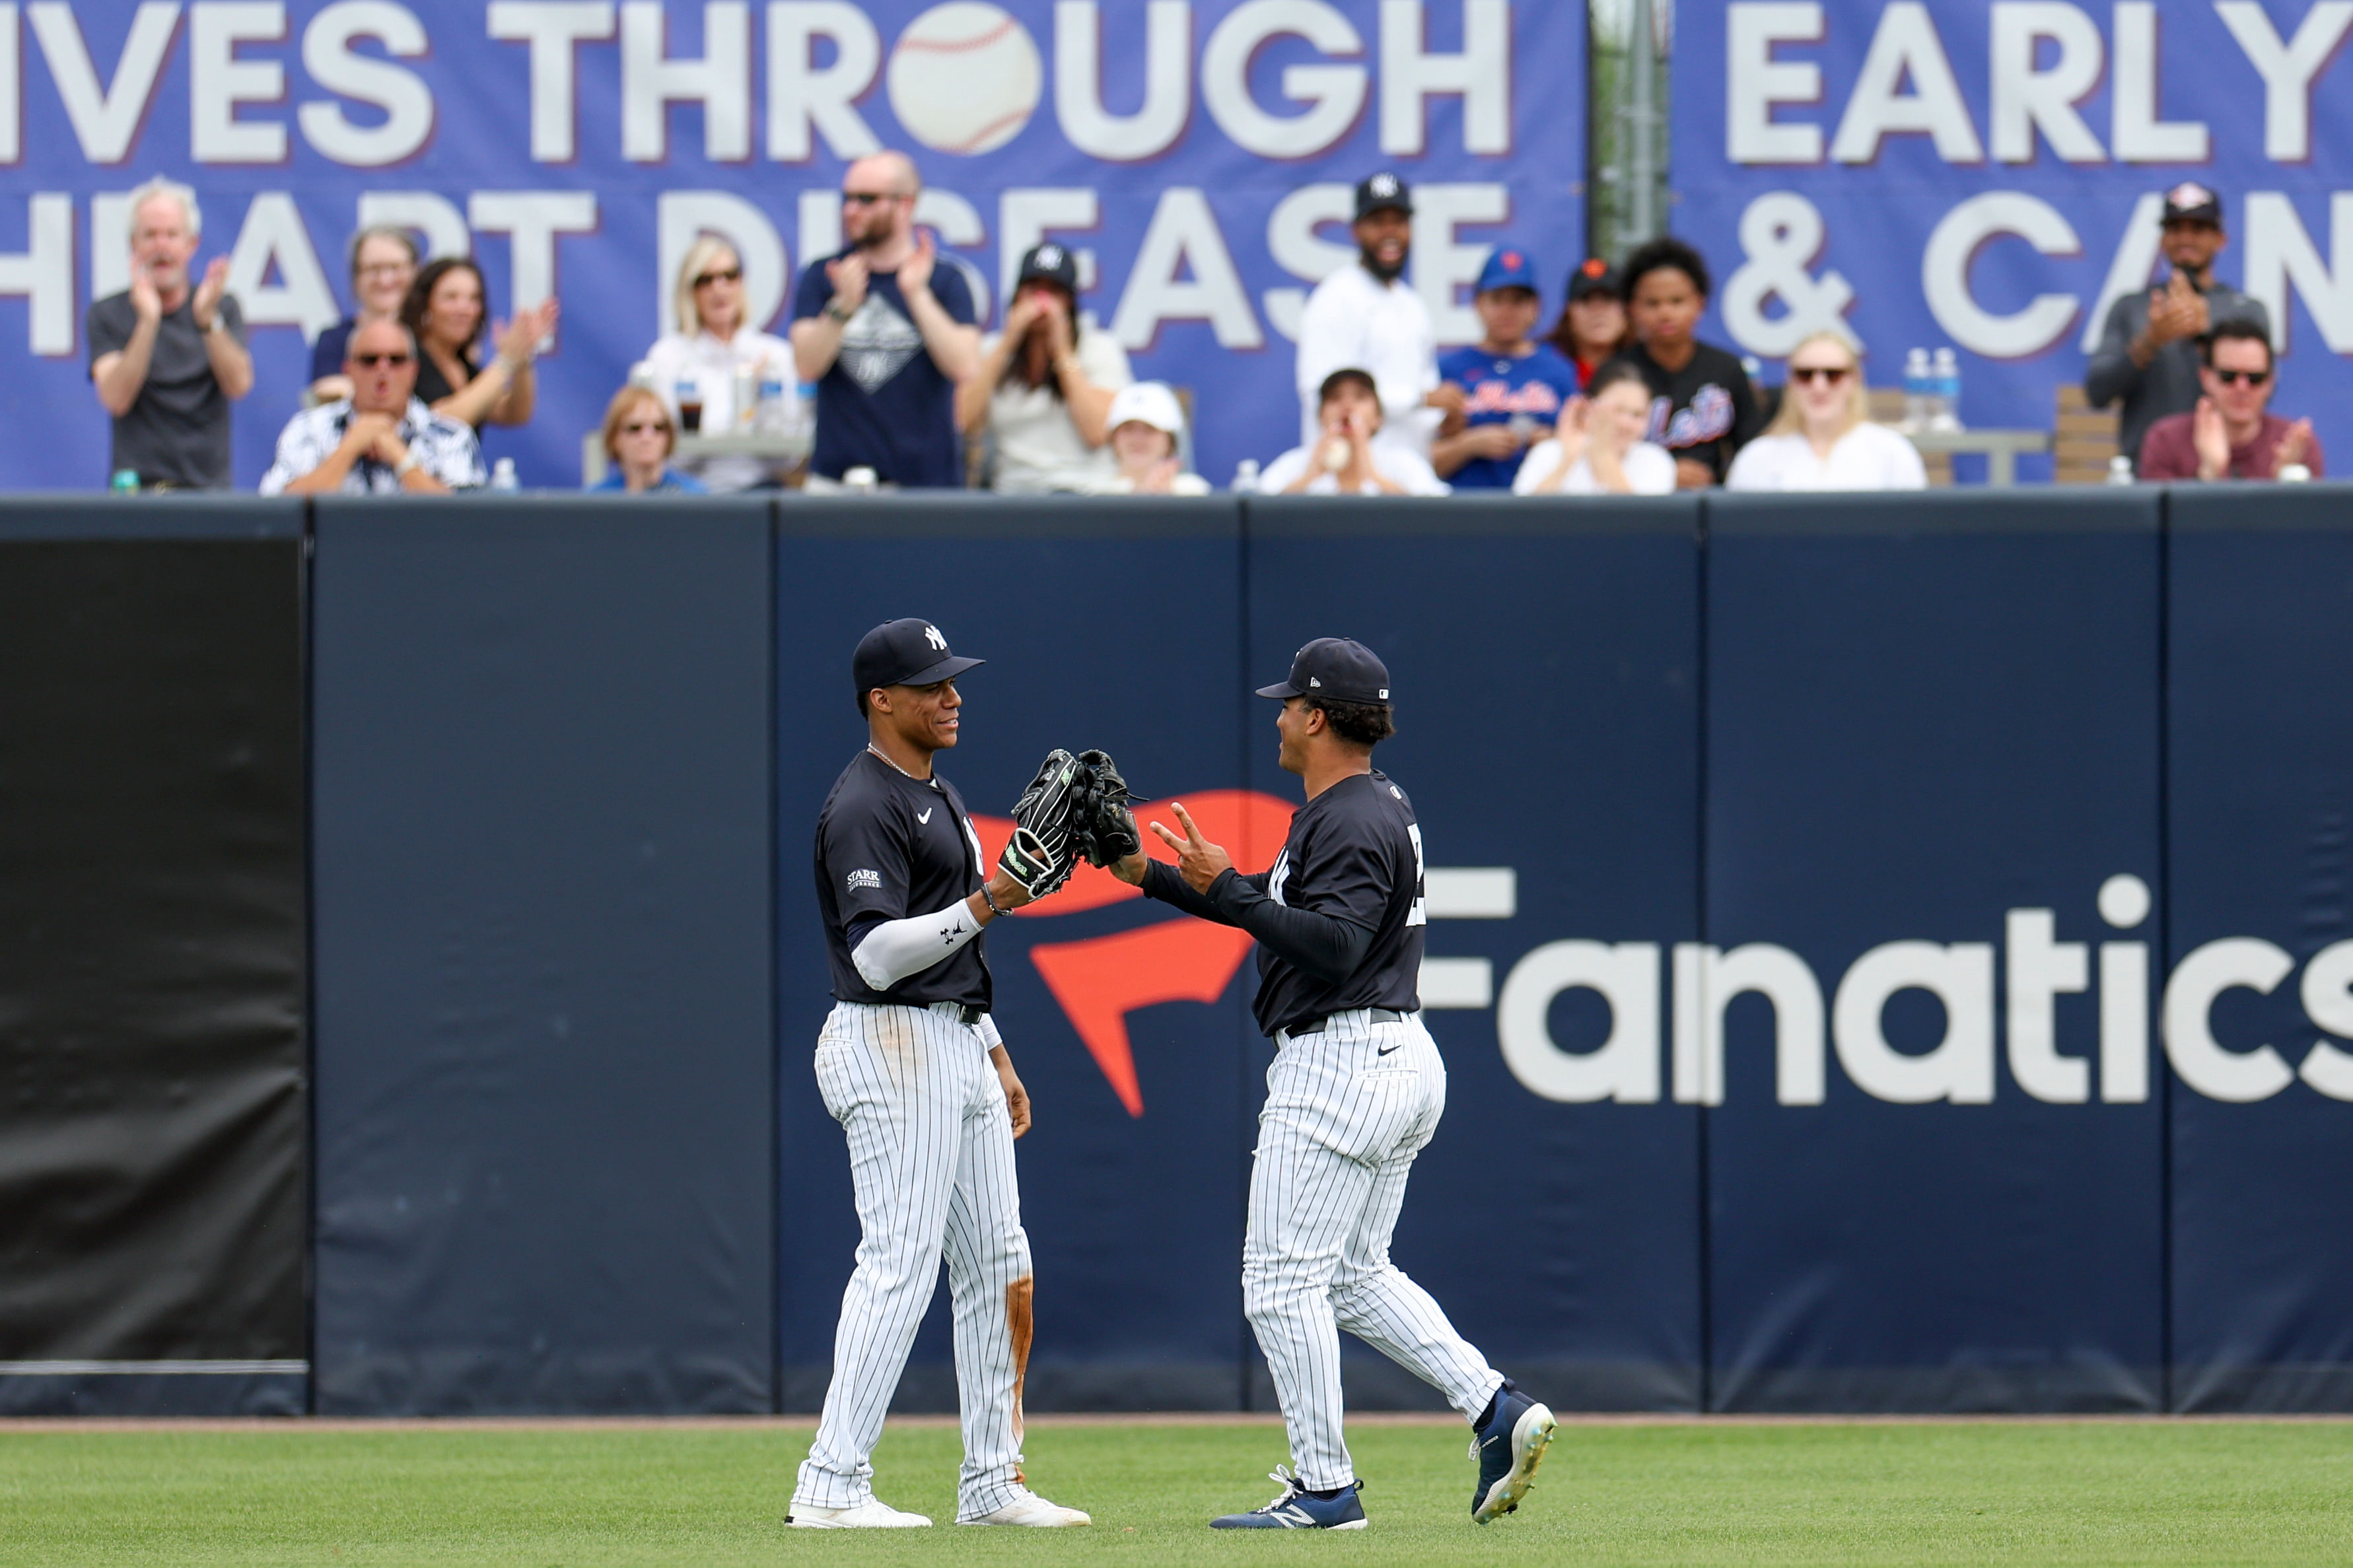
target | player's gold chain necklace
[{"x": 879, "y": 752}]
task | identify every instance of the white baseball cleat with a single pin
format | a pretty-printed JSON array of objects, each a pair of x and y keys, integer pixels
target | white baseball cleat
[
  {"x": 1030, "y": 1509},
  {"x": 871, "y": 1514}
]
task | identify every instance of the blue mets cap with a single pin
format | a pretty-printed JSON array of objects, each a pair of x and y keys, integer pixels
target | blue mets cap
[
  {"x": 908, "y": 652},
  {"x": 1337, "y": 668},
  {"x": 1508, "y": 267}
]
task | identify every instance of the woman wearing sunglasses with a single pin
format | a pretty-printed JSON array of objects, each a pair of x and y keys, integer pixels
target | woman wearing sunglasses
[
  {"x": 639, "y": 436},
  {"x": 712, "y": 342},
  {"x": 1821, "y": 439}
]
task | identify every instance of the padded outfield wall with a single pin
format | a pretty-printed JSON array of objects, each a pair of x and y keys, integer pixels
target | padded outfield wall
[{"x": 1898, "y": 943}]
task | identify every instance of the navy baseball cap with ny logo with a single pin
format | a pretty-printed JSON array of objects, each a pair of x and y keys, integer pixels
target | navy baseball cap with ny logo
[
  {"x": 1337, "y": 668},
  {"x": 908, "y": 652}
]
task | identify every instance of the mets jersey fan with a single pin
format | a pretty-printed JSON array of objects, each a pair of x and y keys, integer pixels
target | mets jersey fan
[
  {"x": 912, "y": 1066},
  {"x": 1355, "y": 1091}
]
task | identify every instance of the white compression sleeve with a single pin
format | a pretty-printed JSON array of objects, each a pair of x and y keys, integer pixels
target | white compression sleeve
[
  {"x": 897, "y": 948},
  {"x": 986, "y": 1030}
]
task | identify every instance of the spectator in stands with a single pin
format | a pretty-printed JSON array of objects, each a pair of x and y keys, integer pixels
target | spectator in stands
[
  {"x": 1598, "y": 447},
  {"x": 886, "y": 335},
  {"x": 1146, "y": 427},
  {"x": 639, "y": 436},
  {"x": 1366, "y": 316},
  {"x": 1822, "y": 438},
  {"x": 381, "y": 440},
  {"x": 445, "y": 312},
  {"x": 1514, "y": 388},
  {"x": 167, "y": 355},
  {"x": 1592, "y": 328},
  {"x": 1703, "y": 408},
  {"x": 2233, "y": 434},
  {"x": 1046, "y": 385},
  {"x": 384, "y": 264},
  {"x": 2148, "y": 353},
  {"x": 1346, "y": 459},
  {"x": 711, "y": 340}
]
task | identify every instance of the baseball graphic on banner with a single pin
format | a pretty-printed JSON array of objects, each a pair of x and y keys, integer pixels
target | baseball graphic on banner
[{"x": 965, "y": 78}]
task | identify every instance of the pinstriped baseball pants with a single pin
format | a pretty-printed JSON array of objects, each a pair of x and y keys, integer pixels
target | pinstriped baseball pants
[
  {"x": 1346, "y": 1111},
  {"x": 931, "y": 1158}
]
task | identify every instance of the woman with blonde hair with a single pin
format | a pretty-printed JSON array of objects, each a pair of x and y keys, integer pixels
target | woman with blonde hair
[
  {"x": 1823, "y": 439},
  {"x": 639, "y": 438},
  {"x": 713, "y": 340}
]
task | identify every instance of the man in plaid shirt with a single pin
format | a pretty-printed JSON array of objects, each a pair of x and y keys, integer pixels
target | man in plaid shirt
[{"x": 380, "y": 440}]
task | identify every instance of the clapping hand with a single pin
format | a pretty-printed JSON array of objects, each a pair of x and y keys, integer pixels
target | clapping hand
[
  {"x": 915, "y": 272},
  {"x": 848, "y": 276},
  {"x": 209, "y": 293},
  {"x": 1198, "y": 861},
  {"x": 146, "y": 298},
  {"x": 2294, "y": 447},
  {"x": 519, "y": 340},
  {"x": 2211, "y": 438},
  {"x": 2179, "y": 311}
]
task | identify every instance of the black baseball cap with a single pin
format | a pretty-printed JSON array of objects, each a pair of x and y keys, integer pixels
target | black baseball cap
[
  {"x": 1337, "y": 668},
  {"x": 908, "y": 652},
  {"x": 1383, "y": 190},
  {"x": 1595, "y": 276},
  {"x": 2190, "y": 202},
  {"x": 1052, "y": 263}
]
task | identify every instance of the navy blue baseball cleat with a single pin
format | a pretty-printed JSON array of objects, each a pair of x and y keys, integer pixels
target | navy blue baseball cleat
[
  {"x": 1508, "y": 1449},
  {"x": 1298, "y": 1509}
]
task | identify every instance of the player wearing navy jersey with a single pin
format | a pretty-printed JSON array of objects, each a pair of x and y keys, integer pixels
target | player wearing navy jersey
[
  {"x": 911, "y": 1064},
  {"x": 1355, "y": 1091}
]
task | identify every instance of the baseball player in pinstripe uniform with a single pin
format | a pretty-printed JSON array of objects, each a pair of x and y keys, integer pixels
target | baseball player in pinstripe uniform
[
  {"x": 912, "y": 1066},
  {"x": 1356, "y": 1088}
]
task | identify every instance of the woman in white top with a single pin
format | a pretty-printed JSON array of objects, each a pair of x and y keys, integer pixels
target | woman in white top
[
  {"x": 1821, "y": 439},
  {"x": 1145, "y": 426},
  {"x": 1347, "y": 460},
  {"x": 711, "y": 340},
  {"x": 1597, "y": 447},
  {"x": 1045, "y": 385}
]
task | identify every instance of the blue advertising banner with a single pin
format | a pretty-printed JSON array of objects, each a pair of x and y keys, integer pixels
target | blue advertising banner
[
  {"x": 1127, "y": 1020},
  {"x": 1547, "y": 689},
  {"x": 1990, "y": 178},
  {"x": 2259, "y": 786},
  {"x": 1197, "y": 155},
  {"x": 1932, "y": 780}
]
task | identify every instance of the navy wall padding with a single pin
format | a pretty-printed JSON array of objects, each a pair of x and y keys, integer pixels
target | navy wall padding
[
  {"x": 2260, "y": 819},
  {"x": 545, "y": 1040},
  {"x": 1112, "y": 625},
  {"x": 1921, "y": 712},
  {"x": 1546, "y": 661}
]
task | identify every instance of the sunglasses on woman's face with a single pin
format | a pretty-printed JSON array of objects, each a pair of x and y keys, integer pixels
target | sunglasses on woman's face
[
  {"x": 641, "y": 427},
  {"x": 369, "y": 362},
  {"x": 1828, "y": 374},
  {"x": 724, "y": 275},
  {"x": 2252, "y": 377}
]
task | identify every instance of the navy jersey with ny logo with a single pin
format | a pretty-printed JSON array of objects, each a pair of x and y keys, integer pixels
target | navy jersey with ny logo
[
  {"x": 1355, "y": 854},
  {"x": 888, "y": 847}
]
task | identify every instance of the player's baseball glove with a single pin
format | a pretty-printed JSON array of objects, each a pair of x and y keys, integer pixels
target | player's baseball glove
[
  {"x": 1105, "y": 826},
  {"x": 1044, "y": 846}
]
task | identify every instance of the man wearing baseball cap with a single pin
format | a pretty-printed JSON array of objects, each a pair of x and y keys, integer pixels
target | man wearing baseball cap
[
  {"x": 2148, "y": 347},
  {"x": 1367, "y": 316},
  {"x": 1513, "y": 387},
  {"x": 1046, "y": 383}
]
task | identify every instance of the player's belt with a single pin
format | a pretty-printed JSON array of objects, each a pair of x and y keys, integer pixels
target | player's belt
[
  {"x": 1378, "y": 1015},
  {"x": 963, "y": 1013}
]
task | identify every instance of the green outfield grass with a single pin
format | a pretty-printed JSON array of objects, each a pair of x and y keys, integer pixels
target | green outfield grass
[{"x": 1958, "y": 1493}]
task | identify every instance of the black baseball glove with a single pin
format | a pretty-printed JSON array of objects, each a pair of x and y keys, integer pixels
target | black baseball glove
[
  {"x": 1044, "y": 846},
  {"x": 1105, "y": 828}
]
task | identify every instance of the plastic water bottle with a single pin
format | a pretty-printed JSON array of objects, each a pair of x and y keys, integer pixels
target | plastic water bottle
[
  {"x": 2120, "y": 470},
  {"x": 503, "y": 475},
  {"x": 1245, "y": 478},
  {"x": 776, "y": 415},
  {"x": 805, "y": 408},
  {"x": 745, "y": 401},
  {"x": 125, "y": 482},
  {"x": 1945, "y": 385},
  {"x": 1916, "y": 376}
]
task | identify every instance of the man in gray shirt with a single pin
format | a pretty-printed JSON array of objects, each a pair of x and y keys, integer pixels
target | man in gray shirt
[
  {"x": 2149, "y": 346},
  {"x": 168, "y": 358}
]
